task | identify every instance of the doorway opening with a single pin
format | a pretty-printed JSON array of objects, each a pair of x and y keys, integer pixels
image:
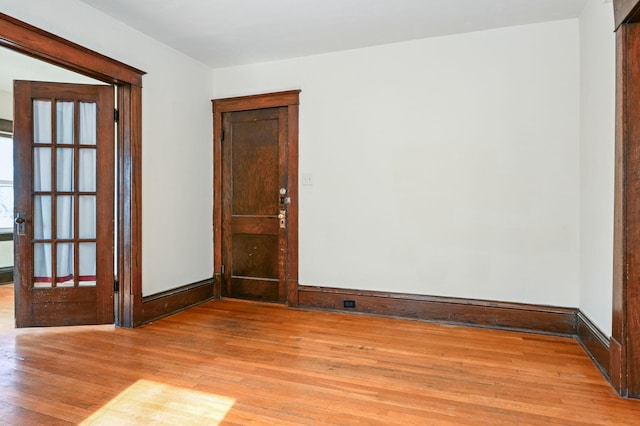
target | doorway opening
[
  {"x": 27, "y": 39},
  {"x": 256, "y": 197},
  {"x": 15, "y": 67}
]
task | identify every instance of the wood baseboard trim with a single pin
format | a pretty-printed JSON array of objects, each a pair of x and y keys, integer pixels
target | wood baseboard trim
[
  {"x": 169, "y": 302},
  {"x": 481, "y": 313},
  {"x": 594, "y": 342},
  {"x": 6, "y": 275}
]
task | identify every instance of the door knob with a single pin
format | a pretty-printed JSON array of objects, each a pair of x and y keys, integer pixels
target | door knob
[
  {"x": 283, "y": 199},
  {"x": 22, "y": 224}
]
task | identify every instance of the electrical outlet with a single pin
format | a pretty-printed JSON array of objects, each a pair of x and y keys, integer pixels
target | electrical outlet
[{"x": 349, "y": 303}]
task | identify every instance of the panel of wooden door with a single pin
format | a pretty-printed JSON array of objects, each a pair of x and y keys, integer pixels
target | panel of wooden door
[
  {"x": 64, "y": 198},
  {"x": 253, "y": 172}
]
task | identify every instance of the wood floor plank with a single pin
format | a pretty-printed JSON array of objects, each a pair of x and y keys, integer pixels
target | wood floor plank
[{"x": 240, "y": 363}]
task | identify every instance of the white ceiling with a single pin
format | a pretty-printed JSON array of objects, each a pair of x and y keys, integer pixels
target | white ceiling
[{"x": 223, "y": 33}]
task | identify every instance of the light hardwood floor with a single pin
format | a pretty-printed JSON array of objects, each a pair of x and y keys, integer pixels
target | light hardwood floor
[{"x": 235, "y": 362}]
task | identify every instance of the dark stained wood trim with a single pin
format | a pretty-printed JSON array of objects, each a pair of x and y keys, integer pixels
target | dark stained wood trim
[
  {"x": 624, "y": 368},
  {"x": 265, "y": 100},
  {"x": 625, "y": 11},
  {"x": 617, "y": 369},
  {"x": 217, "y": 285},
  {"x": 217, "y": 201},
  {"x": 594, "y": 342},
  {"x": 283, "y": 234},
  {"x": 632, "y": 233},
  {"x": 169, "y": 302},
  {"x": 493, "y": 314},
  {"x": 42, "y": 45},
  {"x": 6, "y": 275},
  {"x": 130, "y": 206},
  {"x": 6, "y": 236},
  {"x": 289, "y": 99},
  {"x": 292, "y": 228},
  {"x": 48, "y": 47}
]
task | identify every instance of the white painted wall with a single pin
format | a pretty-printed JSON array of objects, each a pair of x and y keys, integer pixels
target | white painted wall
[
  {"x": 177, "y": 134},
  {"x": 445, "y": 166},
  {"x": 6, "y": 105},
  {"x": 597, "y": 162}
]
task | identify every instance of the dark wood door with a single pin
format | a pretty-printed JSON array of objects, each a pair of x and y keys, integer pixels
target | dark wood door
[
  {"x": 254, "y": 204},
  {"x": 64, "y": 180}
]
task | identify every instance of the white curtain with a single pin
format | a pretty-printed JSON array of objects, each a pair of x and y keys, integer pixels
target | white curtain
[
  {"x": 87, "y": 183},
  {"x": 64, "y": 183},
  {"x": 42, "y": 128},
  {"x": 64, "y": 203}
]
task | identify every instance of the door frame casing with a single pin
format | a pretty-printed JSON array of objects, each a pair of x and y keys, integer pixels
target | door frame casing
[
  {"x": 624, "y": 369},
  {"x": 42, "y": 45},
  {"x": 290, "y": 100}
]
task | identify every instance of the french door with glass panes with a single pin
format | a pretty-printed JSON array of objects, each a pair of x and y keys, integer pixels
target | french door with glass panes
[{"x": 64, "y": 183}]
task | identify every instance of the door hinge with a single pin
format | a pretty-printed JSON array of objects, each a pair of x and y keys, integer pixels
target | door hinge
[
  {"x": 116, "y": 115},
  {"x": 116, "y": 285},
  {"x": 221, "y": 135}
]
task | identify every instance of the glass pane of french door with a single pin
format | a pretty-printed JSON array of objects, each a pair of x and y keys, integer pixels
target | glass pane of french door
[{"x": 64, "y": 193}]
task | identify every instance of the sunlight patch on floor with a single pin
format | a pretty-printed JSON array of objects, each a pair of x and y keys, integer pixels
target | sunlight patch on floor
[{"x": 147, "y": 402}]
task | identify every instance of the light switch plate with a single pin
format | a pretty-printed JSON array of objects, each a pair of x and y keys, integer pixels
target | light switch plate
[{"x": 307, "y": 179}]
